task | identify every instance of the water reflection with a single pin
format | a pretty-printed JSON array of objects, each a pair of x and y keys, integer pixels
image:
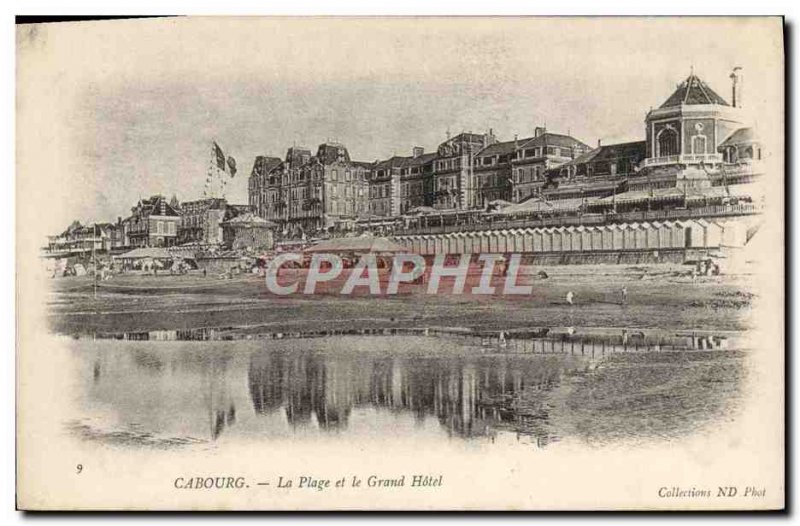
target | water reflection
[
  {"x": 536, "y": 389},
  {"x": 467, "y": 397},
  {"x": 540, "y": 340}
]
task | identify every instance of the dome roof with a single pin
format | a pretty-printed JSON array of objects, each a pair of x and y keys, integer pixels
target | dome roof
[{"x": 693, "y": 91}]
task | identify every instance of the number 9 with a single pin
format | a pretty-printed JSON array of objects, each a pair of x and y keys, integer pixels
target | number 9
[{"x": 79, "y": 468}]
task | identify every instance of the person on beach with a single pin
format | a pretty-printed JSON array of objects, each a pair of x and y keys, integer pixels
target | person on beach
[
  {"x": 570, "y": 297},
  {"x": 624, "y": 295}
]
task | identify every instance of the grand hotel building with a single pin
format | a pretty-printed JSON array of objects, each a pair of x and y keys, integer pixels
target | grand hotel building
[{"x": 694, "y": 138}]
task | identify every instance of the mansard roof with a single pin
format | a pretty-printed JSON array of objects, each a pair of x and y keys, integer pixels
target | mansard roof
[
  {"x": 331, "y": 152},
  {"x": 607, "y": 152},
  {"x": 469, "y": 137},
  {"x": 363, "y": 164},
  {"x": 419, "y": 160},
  {"x": 502, "y": 148},
  {"x": 392, "y": 162},
  {"x": 552, "y": 139},
  {"x": 157, "y": 205},
  {"x": 265, "y": 164},
  {"x": 615, "y": 151},
  {"x": 693, "y": 91}
]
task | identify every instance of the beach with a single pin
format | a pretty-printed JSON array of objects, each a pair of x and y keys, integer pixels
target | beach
[{"x": 658, "y": 297}]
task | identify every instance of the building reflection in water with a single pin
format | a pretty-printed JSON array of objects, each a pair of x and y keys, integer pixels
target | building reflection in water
[
  {"x": 473, "y": 385},
  {"x": 469, "y": 397}
]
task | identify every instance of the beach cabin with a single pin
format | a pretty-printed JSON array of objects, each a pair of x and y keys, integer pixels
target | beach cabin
[
  {"x": 734, "y": 233},
  {"x": 572, "y": 239},
  {"x": 596, "y": 233},
  {"x": 617, "y": 233},
  {"x": 448, "y": 244},
  {"x": 694, "y": 233},
  {"x": 461, "y": 243},
  {"x": 483, "y": 241},
  {"x": 515, "y": 242},
  {"x": 536, "y": 240},
  {"x": 664, "y": 234},
  {"x": 607, "y": 235},
  {"x": 653, "y": 234},
  {"x": 547, "y": 239},
  {"x": 558, "y": 239},
  {"x": 586, "y": 237},
  {"x": 640, "y": 236},
  {"x": 629, "y": 235},
  {"x": 713, "y": 233},
  {"x": 498, "y": 241}
]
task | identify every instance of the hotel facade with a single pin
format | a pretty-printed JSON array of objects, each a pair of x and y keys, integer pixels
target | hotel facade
[{"x": 694, "y": 140}]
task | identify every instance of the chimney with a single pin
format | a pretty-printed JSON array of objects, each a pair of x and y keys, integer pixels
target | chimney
[
  {"x": 599, "y": 143},
  {"x": 737, "y": 80},
  {"x": 538, "y": 131},
  {"x": 416, "y": 151}
]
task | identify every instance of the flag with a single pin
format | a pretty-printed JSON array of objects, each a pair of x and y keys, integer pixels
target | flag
[
  {"x": 232, "y": 165},
  {"x": 220, "y": 156}
]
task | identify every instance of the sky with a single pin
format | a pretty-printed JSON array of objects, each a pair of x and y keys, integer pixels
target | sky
[{"x": 110, "y": 112}]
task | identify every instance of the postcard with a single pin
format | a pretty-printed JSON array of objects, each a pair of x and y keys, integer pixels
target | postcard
[{"x": 401, "y": 263}]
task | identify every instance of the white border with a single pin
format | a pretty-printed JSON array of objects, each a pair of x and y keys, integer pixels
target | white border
[{"x": 309, "y": 7}]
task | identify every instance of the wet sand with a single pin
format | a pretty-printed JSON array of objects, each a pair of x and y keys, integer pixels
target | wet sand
[{"x": 658, "y": 297}]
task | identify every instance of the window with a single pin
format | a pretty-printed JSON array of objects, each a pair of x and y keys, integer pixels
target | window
[
  {"x": 667, "y": 142},
  {"x": 334, "y": 175},
  {"x": 699, "y": 144},
  {"x": 160, "y": 227}
]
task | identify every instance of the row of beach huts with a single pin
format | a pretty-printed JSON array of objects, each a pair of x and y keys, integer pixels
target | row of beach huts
[{"x": 615, "y": 237}]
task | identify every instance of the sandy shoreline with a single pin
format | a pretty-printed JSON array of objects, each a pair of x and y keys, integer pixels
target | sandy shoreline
[{"x": 657, "y": 298}]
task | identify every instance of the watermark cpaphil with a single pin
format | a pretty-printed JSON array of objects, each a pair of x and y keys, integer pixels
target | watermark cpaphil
[{"x": 293, "y": 273}]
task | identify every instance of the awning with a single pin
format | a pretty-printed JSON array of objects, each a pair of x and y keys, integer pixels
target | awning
[
  {"x": 637, "y": 196},
  {"x": 674, "y": 193},
  {"x": 357, "y": 244},
  {"x": 422, "y": 210},
  {"x": 146, "y": 252},
  {"x": 721, "y": 192},
  {"x": 537, "y": 205}
]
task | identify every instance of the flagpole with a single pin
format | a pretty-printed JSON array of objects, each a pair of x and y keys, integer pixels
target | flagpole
[{"x": 94, "y": 258}]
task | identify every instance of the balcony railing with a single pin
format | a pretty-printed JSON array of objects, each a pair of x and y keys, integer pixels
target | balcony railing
[
  {"x": 689, "y": 158},
  {"x": 586, "y": 219}
]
